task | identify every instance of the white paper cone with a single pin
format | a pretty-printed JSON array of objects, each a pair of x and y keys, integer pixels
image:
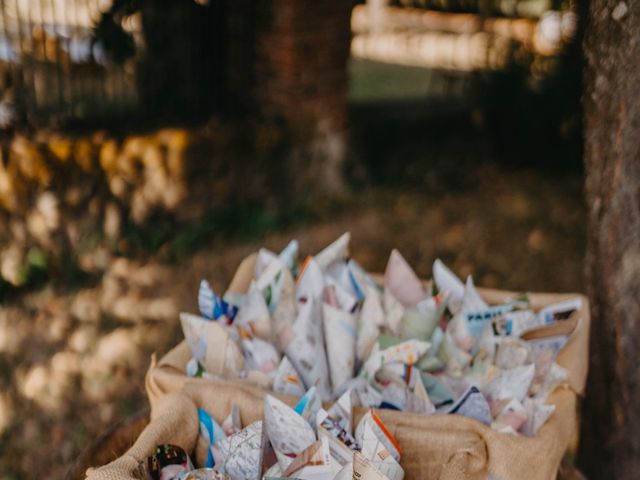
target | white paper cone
[
  {"x": 471, "y": 300},
  {"x": 254, "y": 314},
  {"x": 284, "y": 311},
  {"x": 338, "y": 250},
  {"x": 289, "y": 255},
  {"x": 310, "y": 282},
  {"x": 340, "y": 339},
  {"x": 306, "y": 349},
  {"x": 371, "y": 318},
  {"x": 447, "y": 281}
]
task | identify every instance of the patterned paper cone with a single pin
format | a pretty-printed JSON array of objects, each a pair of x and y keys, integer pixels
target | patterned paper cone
[
  {"x": 306, "y": 349},
  {"x": 374, "y": 450},
  {"x": 240, "y": 455},
  {"x": 287, "y": 431}
]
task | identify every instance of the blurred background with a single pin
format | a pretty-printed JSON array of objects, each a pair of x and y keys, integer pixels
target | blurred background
[{"x": 146, "y": 144}]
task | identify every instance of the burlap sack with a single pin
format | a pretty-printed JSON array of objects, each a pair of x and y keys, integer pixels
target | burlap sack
[{"x": 441, "y": 447}]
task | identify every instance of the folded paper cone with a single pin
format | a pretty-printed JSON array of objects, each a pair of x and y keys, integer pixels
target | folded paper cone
[{"x": 340, "y": 339}]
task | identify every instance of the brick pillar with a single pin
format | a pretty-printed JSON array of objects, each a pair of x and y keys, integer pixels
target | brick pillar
[{"x": 301, "y": 53}]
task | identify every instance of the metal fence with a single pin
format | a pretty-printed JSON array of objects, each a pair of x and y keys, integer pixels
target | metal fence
[{"x": 51, "y": 69}]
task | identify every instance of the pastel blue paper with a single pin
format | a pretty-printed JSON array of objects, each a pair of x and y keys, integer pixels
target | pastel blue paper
[
  {"x": 212, "y": 432},
  {"x": 212, "y": 306},
  {"x": 477, "y": 320}
]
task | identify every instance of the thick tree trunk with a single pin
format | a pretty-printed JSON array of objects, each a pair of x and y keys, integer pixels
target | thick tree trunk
[{"x": 610, "y": 445}]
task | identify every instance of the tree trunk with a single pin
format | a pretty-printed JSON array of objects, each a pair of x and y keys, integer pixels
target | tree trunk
[{"x": 610, "y": 440}]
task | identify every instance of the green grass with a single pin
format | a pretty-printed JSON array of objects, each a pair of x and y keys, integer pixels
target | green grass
[{"x": 371, "y": 81}]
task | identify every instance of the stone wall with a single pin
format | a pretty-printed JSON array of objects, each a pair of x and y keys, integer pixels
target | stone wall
[{"x": 68, "y": 196}]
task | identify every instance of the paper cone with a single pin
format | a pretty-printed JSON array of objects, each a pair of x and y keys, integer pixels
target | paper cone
[
  {"x": 213, "y": 307},
  {"x": 314, "y": 463},
  {"x": 340, "y": 339},
  {"x": 284, "y": 310},
  {"x": 310, "y": 283},
  {"x": 263, "y": 260},
  {"x": 240, "y": 455},
  {"x": 306, "y": 349},
  {"x": 447, "y": 281},
  {"x": 371, "y": 318},
  {"x": 402, "y": 281},
  {"x": 254, "y": 315},
  {"x": 471, "y": 300},
  {"x": 374, "y": 450},
  {"x": 289, "y": 255},
  {"x": 287, "y": 431},
  {"x": 338, "y": 250},
  {"x": 211, "y": 345},
  {"x": 371, "y": 419}
]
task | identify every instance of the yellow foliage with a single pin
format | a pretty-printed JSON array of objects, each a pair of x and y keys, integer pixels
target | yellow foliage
[
  {"x": 60, "y": 148},
  {"x": 30, "y": 161},
  {"x": 83, "y": 153},
  {"x": 109, "y": 157}
]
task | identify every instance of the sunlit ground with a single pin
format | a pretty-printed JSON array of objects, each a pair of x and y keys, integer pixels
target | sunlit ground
[{"x": 72, "y": 361}]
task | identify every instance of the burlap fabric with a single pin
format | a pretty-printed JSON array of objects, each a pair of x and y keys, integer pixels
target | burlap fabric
[{"x": 443, "y": 447}]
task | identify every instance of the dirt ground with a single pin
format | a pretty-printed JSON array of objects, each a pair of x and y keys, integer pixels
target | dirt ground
[{"x": 72, "y": 360}]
